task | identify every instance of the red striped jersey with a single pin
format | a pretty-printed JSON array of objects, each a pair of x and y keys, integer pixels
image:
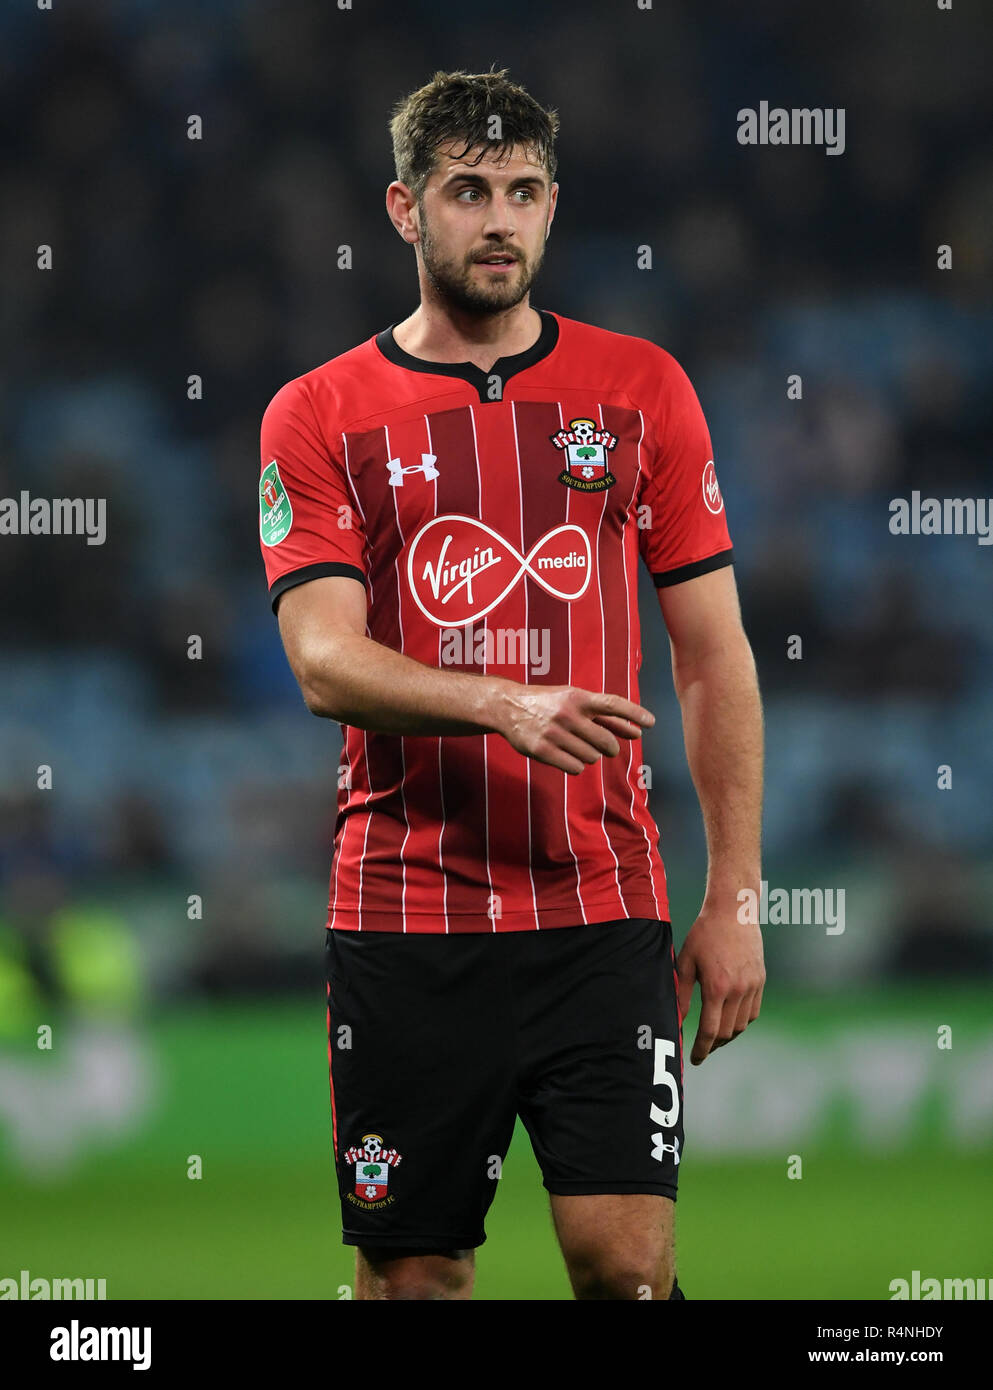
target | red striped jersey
[{"x": 496, "y": 521}]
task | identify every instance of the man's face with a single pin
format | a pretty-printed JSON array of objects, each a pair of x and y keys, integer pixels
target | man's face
[{"x": 482, "y": 228}]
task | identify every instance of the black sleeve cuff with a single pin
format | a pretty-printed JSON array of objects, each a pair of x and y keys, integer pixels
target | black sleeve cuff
[
  {"x": 691, "y": 571},
  {"x": 328, "y": 570}
]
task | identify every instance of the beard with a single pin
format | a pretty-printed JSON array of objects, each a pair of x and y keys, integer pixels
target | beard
[{"x": 454, "y": 283}]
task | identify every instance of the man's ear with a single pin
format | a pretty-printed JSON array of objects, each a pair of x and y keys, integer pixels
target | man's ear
[{"x": 401, "y": 207}]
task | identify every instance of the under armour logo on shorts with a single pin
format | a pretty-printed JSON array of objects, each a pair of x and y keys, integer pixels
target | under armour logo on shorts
[{"x": 661, "y": 1147}]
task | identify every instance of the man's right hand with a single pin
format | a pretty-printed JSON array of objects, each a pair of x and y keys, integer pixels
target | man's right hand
[{"x": 564, "y": 726}]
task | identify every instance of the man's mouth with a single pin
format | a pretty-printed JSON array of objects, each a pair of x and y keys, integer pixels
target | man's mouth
[{"x": 498, "y": 261}]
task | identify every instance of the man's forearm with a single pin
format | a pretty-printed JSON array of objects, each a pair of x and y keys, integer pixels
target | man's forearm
[
  {"x": 722, "y": 727},
  {"x": 359, "y": 682}
]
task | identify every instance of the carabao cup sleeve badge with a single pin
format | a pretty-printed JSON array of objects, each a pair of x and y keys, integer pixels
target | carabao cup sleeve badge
[{"x": 275, "y": 508}]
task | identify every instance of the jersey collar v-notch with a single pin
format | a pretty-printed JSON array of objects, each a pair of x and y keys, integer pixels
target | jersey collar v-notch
[{"x": 504, "y": 368}]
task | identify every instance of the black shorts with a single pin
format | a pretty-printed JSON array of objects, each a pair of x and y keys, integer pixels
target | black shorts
[{"x": 437, "y": 1043}]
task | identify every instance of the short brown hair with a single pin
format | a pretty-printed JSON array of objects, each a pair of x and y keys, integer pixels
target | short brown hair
[{"x": 459, "y": 106}]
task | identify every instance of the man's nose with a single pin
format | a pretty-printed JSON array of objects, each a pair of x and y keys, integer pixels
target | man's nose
[{"x": 500, "y": 220}]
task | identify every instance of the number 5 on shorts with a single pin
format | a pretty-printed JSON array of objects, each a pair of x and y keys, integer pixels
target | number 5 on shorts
[{"x": 664, "y": 1049}]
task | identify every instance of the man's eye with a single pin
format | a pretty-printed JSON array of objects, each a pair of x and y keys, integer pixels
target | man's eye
[
  {"x": 474, "y": 191},
  {"x": 526, "y": 193}
]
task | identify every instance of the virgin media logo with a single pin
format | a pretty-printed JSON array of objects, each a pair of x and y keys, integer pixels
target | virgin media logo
[{"x": 459, "y": 569}]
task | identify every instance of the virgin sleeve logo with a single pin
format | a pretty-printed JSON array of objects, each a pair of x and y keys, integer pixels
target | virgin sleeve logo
[{"x": 711, "y": 492}]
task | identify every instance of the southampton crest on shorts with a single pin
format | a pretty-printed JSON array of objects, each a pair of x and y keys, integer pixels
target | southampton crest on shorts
[
  {"x": 585, "y": 445},
  {"x": 372, "y": 1171}
]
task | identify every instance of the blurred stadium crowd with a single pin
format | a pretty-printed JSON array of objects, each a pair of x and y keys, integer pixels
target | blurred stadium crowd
[{"x": 218, "y": 257}]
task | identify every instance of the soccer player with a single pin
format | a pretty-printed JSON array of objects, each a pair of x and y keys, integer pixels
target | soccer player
[{"x": 452, "y": 515}]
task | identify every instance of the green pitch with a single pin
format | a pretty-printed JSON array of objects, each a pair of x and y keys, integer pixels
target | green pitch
[
  {"x": 844, "y": 1231},
  {"x": 246, "y": 1090}
]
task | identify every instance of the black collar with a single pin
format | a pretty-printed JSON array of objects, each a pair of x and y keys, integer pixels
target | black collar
[{"x": 504, "y": 367}]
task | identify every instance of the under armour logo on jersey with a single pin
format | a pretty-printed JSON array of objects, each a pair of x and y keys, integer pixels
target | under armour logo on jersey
[
  {"x": 426, "y": 466},
  {"x": 661, "y": 1147}
]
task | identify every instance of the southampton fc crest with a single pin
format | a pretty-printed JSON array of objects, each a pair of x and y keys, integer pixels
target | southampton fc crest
[
  {"x": 586, "y": 447},
  {"x": 372, "y": 1170}
]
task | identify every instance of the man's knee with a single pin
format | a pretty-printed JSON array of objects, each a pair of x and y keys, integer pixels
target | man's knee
[
  {"x": 395, "y": 1274},
  {"x": 622, "y": 1274}
]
